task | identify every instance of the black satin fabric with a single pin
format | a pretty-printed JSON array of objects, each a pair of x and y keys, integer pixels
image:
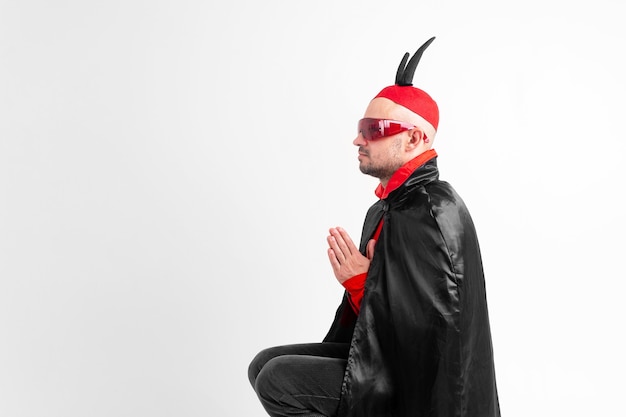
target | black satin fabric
[{"x": 421, "y": 345}]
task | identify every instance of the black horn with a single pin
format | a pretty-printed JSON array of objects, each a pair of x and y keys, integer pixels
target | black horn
[{"x": 404, "y": 76}]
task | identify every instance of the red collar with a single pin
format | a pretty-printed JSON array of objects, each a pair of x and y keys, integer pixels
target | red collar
[{"x": 403, "y": 173}]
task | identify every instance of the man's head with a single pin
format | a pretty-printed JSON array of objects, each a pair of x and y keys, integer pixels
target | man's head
[
  {"x": 381, "y": 157},
  {"x": 399, "y": 124}
]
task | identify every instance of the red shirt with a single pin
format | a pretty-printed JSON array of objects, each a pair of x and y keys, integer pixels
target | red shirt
[{"x": 356, "y": 285}]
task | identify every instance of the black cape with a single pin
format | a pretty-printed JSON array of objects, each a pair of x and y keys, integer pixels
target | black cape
[{"x": 421, "y": 344}]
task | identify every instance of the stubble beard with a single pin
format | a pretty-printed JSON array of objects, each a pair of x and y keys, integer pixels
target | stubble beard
[
  {"x": 382, "y": 172},
  {"x": 384, "y": 169}
]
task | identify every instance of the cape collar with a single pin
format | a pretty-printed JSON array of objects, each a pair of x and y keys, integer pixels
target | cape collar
[{"x": 403, "y": 173}]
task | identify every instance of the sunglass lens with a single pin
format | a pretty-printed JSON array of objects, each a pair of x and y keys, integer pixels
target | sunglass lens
[{"x": 370, "y": 129}]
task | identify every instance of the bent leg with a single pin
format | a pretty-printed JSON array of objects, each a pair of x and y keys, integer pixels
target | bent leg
[
  {"x": 300, "y": 380},
  {"x": 301, "y": 385},
  {"x": 324, "y": 350}
]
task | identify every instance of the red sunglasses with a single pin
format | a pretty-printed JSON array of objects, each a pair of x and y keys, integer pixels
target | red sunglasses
[{"x": 373, "y": 129}]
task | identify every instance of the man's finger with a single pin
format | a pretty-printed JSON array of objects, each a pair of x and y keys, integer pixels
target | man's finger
[
  {"x": 341, "y": 242},
  {"x": 346, "y": 237},
  {"x": 334, "y": 263},
  {"x": 370, "y": 249},
  {"x": 334, "y": 245}
]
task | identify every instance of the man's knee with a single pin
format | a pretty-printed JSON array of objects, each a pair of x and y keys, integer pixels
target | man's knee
[
  {"x": 256, "y": 365},
  {"x": 270, "y": 381},
  {"x": 268, "y": 354}
]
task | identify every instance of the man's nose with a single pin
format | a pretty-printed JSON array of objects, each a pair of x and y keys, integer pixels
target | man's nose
[{"x": 359, "y": 140}]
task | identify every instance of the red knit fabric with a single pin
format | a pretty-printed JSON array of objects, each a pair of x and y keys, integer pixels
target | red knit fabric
[{"x": 414, "y": 99}]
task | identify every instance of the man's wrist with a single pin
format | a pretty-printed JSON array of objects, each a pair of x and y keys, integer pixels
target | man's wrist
[{"x": 355, "y": 283}]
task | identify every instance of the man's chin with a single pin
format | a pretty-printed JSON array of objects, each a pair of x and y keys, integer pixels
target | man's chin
[
  {"x": 376, "y": 173},
  {"x": 365, "y": 169}
]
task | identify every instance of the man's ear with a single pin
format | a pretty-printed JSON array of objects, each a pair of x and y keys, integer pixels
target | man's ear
[{"x": 417, "y": 135}]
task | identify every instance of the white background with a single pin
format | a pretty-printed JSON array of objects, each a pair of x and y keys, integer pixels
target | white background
[{"x": 169, "y": 170}]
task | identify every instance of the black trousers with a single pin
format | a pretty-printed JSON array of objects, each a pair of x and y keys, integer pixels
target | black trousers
[{"x": 300, "y": 380}]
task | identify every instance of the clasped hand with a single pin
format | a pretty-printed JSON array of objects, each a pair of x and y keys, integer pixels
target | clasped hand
[{"x": 344, "y": 256}]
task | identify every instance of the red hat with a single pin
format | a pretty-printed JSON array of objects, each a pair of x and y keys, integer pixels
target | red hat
[{"x": 414, "y": 99}]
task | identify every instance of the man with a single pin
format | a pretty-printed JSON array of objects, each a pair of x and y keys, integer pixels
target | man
[{"x": 411, "y": 336}]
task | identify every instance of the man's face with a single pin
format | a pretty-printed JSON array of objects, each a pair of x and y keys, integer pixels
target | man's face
[{"x": 382, "y": 157}]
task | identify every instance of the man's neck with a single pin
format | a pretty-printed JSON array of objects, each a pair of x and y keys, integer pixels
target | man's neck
[{"x": 401, "y": 175}]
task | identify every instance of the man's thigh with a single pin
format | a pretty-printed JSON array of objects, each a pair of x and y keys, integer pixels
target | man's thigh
[
  {"x": 323, "y": 350},
  {"x": 300, "y": 384}
]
